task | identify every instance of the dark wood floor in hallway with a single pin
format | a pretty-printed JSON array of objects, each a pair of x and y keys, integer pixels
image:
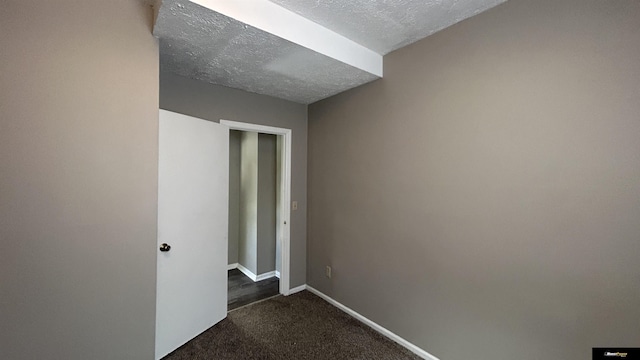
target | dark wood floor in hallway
[{"x": 243, "y": 291}]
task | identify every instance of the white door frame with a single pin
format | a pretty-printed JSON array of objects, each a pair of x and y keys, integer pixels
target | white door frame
[{"x": 285, "y": 192}]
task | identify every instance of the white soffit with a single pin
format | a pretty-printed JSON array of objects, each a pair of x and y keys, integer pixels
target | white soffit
[
  {"x": 269, "y": 17},
  {"x": 386, "y": 25}
]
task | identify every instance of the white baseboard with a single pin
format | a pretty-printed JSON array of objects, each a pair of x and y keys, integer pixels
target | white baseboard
[
  {"x": 411, "y": 347},
  {"x": 232, "y": 266},
  {"x": 278, "y": 274},
  {"x": 247, "y": 272},
  {"x": 253, "y": 276},
  {"x": 265, "y": 276},
  {"x": 297, "y": 289}
]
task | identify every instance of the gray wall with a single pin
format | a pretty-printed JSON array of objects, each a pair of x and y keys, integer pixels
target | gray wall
[
  {"x": 213, "y": 102},
  {"x": 248, "y": 236},
  {"x": 482, "y": 200},
  {"x": 265, "y": 222},
  {"x": 234, "y": 195},
  {"x": 266, "y": 203},
  {"x": 78, "y": 180},
  {"x": 256, "y": 243}
]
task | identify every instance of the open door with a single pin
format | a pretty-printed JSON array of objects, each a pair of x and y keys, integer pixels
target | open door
[{"x": 193, "y": 191}]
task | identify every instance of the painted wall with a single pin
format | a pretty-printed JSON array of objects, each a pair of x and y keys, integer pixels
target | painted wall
[
  {"x": 257, "y": 202},
  {"x": 482, "y": 199},
  {"x": 266, "y": 203},
  {"x": 234, "y": 195},
  {"x": 248, "y": 235},
  {"x": 213, "y": 102},
  {"x": 78, "y": 180}
]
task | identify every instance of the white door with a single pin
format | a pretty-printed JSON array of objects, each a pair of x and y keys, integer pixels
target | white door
[{"x": 193, "y": 191}]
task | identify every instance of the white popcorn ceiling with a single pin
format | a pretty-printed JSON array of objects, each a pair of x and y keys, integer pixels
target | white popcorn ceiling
[
  {"x": 386, "y": 25},
  {"x": 202, "y": 44}
]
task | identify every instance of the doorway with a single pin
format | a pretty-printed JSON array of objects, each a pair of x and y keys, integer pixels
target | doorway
[
  {"x": 193, "y": 170},
  {"x": 253, "y": 184},
  {"x": 282, "y": 198}
]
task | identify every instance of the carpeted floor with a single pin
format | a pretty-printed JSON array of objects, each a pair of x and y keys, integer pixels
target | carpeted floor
[{"x": 301, "y": 327}]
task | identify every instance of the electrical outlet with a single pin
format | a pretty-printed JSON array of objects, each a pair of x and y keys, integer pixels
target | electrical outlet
[
  {"x": 294, "y": 205},
  {"x": 327, "y": 271}
]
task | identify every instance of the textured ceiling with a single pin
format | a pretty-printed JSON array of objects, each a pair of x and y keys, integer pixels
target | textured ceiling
[
  {"x": 386, "y": 25},
  {"x": 205, "y": 45},
  {"x": 201, "y": 44}
]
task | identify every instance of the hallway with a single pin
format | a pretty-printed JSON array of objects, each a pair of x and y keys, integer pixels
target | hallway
[{"x": 243, "y": 291}]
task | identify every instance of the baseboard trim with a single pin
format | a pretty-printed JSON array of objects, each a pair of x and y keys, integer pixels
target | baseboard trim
[
  {"x": 265, "y": 276},
  {"x": 278, "y": 274},
  {"x": 297, "y": 289},
  {"x": 247, "y": 272},
  {"x": 255, "y": 277},
  {"x": 232, "y": 266},
  {"x": 411, "y": 347}
]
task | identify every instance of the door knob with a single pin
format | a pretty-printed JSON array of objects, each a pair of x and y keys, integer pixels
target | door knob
[{"x": 165, "y": 247}]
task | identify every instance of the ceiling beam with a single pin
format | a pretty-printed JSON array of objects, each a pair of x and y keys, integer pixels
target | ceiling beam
[{"x": 274, "y": 19}]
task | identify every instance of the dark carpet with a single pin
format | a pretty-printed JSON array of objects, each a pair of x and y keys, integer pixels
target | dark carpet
[{"x": 300, "y": 326}]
